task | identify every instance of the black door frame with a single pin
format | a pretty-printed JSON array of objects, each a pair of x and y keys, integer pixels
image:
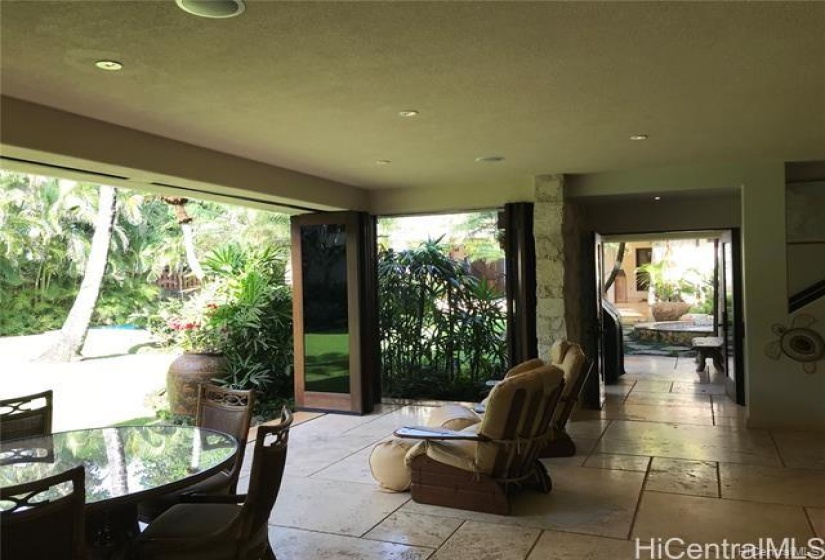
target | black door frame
[{"x": 520, "y": 281}]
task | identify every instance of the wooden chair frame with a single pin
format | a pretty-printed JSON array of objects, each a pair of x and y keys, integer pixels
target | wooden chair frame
[
  {"x": 28, "y": 526},
  {"x": 247, "y": 527},
  {"x": 220, "y": 399},
  {"x": 18, "y": 419},
  {"x": 218, "y": 409}
]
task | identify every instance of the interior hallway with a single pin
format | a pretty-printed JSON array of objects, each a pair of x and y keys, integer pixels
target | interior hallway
[{"x": 669, "y": 456}]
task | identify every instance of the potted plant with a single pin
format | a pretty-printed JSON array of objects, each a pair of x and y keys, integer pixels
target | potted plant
[
  {"x": 665, "y": 291},
  {"x": 199, "y": 332}
]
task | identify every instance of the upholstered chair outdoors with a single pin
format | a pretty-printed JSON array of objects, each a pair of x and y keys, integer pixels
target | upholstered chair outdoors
[
  {"x": 459, "y": 416},
  {"x": 225, "y": 410},
  {"x": 567, "y": 356},
  {"x": 220, "y": 527},
  {"x": 478, "y": 468}
]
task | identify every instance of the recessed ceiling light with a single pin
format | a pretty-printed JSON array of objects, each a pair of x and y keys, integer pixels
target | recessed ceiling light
[
  {"x": 110, "y": 65},
  {"x": 639, "y": 137},
  {"x": 409, "y": 113},
  {"x": 489, "y": 159},
  {"x": 657, "y": 198},
  {"x": 214, "y": 9},
  {"x": 382, "y": 162}
]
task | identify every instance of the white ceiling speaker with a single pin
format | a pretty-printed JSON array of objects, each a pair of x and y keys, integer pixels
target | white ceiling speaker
[{"x": 215, "y": 9}]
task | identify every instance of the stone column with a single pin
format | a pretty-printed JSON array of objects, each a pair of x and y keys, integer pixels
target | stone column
[{"x": 548, "y": 223}]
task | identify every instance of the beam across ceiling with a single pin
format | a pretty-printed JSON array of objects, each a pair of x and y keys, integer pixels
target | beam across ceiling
[{"x": 38, "y": 138}]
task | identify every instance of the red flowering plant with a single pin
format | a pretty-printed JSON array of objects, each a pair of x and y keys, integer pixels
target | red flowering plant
[{"x": 198, "y": 327}]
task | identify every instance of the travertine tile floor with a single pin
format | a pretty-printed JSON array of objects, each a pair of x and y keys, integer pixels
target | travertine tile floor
[{"x": 668, "y": 456}]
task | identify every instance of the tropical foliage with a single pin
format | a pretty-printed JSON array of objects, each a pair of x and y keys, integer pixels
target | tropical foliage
[
  {"x": 242, "y": 307},
  {"x": 256, "y": 312},
  {"x": 442, "y": 329},
  {"x": 243, "y": 310},
  {"x": 46, "y": 228}
]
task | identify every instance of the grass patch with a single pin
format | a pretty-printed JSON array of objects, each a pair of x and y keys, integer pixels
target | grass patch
[
  {"x": 327, "y": 362},
  {"x": 142, "y": 421}
]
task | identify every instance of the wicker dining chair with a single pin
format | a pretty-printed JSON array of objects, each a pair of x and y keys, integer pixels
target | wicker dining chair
[
  {"x": 42, "y": 520},
  {"x": 220, "y": 527},
  {"x": 26, "y": 416},
  {"x": 225, "y": 410}
]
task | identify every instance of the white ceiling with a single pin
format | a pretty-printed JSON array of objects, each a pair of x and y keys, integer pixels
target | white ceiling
[{"x": 553, "y": 87}]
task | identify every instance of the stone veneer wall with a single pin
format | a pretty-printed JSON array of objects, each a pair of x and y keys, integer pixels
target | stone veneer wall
[{"x": 560, "y": 267}]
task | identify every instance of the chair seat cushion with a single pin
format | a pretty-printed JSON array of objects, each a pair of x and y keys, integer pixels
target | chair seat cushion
[
  {"x": 218, "y": 483},
  {"x": 388, "y": 467},
  {"x": 558, "y": 351},
  {"x": 459, "y": 454},
  {"x": 184, "y": 521},
  {"x": 453, "y": 417},
  {"x": 192, "y": 531}
]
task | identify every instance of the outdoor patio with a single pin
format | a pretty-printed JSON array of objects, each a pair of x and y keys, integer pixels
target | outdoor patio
[{"x": 667, "y": 457}]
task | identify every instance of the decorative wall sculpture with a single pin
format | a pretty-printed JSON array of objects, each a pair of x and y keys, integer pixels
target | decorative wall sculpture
[{"x": 799, "y": 342}]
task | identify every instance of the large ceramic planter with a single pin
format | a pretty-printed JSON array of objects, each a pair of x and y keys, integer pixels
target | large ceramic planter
[
  {"x": 669, "y": 310},
  {"x": 186, "y": 373}
]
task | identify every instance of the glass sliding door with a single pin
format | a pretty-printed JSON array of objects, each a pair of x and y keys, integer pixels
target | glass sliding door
[{"x": 334, "y": 326}]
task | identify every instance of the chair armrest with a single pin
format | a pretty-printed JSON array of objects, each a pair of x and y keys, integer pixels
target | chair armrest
[
  {"x": 424, "y": 432},
  {"x": 200, "y": 498}
]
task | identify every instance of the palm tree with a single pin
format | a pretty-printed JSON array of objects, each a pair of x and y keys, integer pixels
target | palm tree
[
  {"x": 178, "y": 204},
  {"x": 71, "y": 337}
]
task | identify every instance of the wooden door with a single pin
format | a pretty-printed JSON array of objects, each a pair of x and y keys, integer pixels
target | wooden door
[{"x": 335, "y": 324}]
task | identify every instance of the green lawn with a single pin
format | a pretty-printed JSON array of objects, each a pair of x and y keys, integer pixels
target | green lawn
[{"x": 327, "y": 362}]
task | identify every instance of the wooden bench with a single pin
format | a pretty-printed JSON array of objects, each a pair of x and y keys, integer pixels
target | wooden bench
[{"x": 709, "y": 347}]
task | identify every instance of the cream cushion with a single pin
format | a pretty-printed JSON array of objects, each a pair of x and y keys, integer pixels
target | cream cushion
[
  {"x": 481, "y": 456},
  {"x": 388, "y": 467},
  {"x": 558, "y": 351},
  {"x": 453, "y": 417},
  {"x": 518, "y": 369},
  {"x": 573, "y": 367},
  {"x": 457, "y": 417}
]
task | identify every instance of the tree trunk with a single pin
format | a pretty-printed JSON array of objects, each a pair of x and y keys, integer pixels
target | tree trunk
[
  {"x": 617, "y": 266},
  {"x": 178, "y": 204},
  {"x": 189, "y": 246},
  {"x": 116, "y": 455},
  {"x": 73, "y": 334}
]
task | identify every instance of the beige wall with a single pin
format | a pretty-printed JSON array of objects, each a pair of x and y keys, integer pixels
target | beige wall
[{"x": 780, "y": 394}]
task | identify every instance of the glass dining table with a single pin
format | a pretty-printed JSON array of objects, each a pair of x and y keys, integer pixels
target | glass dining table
[{"x": 124, "y": 466}]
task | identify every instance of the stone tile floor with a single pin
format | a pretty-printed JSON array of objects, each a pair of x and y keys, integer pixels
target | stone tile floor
[{"x": 669, "y": 456}]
